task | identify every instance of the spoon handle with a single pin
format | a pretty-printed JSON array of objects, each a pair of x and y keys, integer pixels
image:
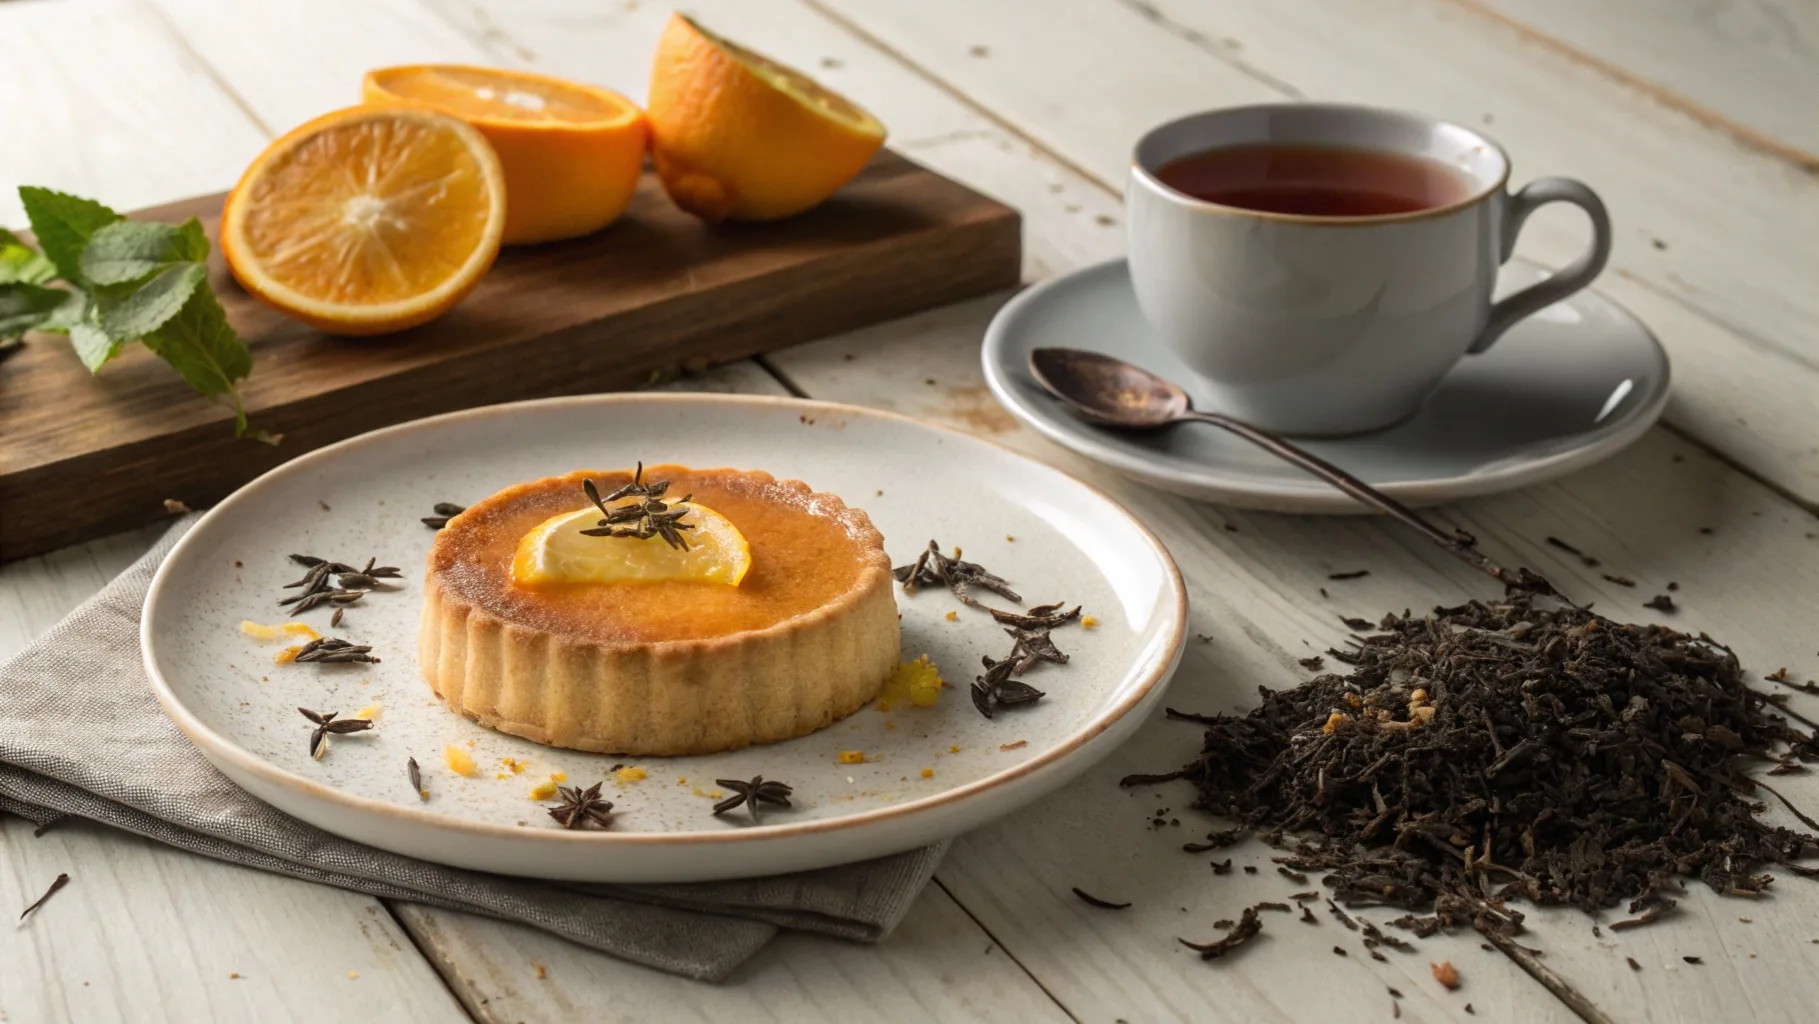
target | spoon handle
[{"x": 1457, "y": 542}]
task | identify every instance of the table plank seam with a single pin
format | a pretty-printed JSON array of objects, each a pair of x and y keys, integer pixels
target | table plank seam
[
  {"x": 1743, "y": 135},
  {"x": 209, "y": 69},
  {"x": 964, "y": 909},
  {"x": 434, "y": 962},
  {"x": 1223, "y": 54}
]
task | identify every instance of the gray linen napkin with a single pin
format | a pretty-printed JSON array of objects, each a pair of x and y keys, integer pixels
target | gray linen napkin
[{"x": 81, "y": 734}]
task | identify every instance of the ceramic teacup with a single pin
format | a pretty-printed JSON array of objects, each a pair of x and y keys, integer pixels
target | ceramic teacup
[{"x": 1316, "y": 324}]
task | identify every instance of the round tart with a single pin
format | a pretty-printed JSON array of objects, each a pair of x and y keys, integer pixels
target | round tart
[{"x": 668, "y": 666}]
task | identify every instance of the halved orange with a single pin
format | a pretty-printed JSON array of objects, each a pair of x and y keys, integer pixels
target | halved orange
[
  {"x": 572, "y": 152},
  {"x": 736, "y": 135},
  {"x": 367, "y": 220}
]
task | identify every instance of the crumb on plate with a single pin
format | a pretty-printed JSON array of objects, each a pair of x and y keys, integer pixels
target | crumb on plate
[{"x": 460, "y": 761}]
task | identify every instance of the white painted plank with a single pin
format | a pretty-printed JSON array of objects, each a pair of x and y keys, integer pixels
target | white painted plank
[
  {"x": 103, "y": 101},
  {"x": 937, "y": 966},
  {"x": 1746, "y": 61},
  {"x": 288, "y": 62},
  {"x": 147, "y": 933},
  {"x": 1729, "y": 295}
]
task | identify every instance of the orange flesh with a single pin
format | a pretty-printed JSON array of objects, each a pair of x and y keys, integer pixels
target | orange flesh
[
  {"x": 801, "y": 561},
  {"x": 501, "y": 96},
  {"x": 332, "y": 218}
]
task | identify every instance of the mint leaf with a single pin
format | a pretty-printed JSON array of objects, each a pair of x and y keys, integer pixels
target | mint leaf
[
  {"x": 73, "y": 310},
  {"x": 93, "y": 346},
  {"x": 20, "y": 263},
  {"x": 130, "y": 312},
  {"x": 63, "y": 224},
  {"x": 200, "y": 345},
  {"x": 24, "y": 306},
  {"x": 129, "y": 250}
]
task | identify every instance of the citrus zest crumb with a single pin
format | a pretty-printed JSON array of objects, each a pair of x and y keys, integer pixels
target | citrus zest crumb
[
  {"x": 543, "y": 790},
  {"x": 928, "y": 773},
  {"x": 955, "y": 749},
  {"x": 953, "y": 616},
  {"x": 288, "y": 655},
  {"x": 259, "y": 632},
  {"x": 715, "y": 795},
  {"x": 1089, "y": 623},
  {"x": 517, "y": 766},
  {"x": 558, "y": 776},
  {"x": 231, "y": 975},
  {"x": 352, "y": 975},
  {"x": 542, "y": 971},
  {"x": 852, "y": 757},
  {"x": 501, "y": 775},
  {"x": 371, "y": 712},
  {"x": 1332, "y": 722},
  {"x": 1009, "y": 537},
  {"x": 301, "y": 629},
  {"x": 680, "y": 781},
  {"x": 1013, "y": 746},
  {"x": 916, "y": 681},
  {"x": 460, "y": 761},
  {"x": 632, "y": 774},
  {"x": 1446, "y": 974}
]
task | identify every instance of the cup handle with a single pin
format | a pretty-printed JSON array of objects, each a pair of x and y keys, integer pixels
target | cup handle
[{"x": 1575, "y": 276}]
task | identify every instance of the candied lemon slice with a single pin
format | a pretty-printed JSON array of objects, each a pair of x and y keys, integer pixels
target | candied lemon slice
[{"x": 556, "y": 551}]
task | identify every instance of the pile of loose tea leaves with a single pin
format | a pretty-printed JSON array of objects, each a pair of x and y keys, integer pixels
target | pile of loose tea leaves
[{"x": 1514, "y": 749}]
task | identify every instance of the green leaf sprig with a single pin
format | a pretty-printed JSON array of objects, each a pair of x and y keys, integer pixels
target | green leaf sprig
[{"x": 122, "y": 281}]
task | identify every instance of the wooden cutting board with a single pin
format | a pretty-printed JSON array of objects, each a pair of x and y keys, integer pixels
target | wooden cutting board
[{"x": 657, "y": 292}]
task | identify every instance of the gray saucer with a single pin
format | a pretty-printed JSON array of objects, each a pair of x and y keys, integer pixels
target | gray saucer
[{"x": 1563, "y": 389}]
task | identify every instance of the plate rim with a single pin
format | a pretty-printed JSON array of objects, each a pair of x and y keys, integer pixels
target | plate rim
[
  {"x": 1312, "y": 497},
  {"x": 214, "y": 745}
]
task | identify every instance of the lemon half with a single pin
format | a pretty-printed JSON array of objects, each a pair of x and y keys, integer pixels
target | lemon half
[{"x": 556, "y": 551}]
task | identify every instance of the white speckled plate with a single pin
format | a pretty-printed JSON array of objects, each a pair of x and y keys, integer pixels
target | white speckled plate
[
  {"x": 364, "y": 497},
  {"x": 1570, "y": 386}
]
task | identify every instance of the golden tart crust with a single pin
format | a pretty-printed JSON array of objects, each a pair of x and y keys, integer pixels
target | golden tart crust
[{"x": 663, "y": 668}]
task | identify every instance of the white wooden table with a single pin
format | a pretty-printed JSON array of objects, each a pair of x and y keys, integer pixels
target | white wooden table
[{"x": 1695, "y": 120}]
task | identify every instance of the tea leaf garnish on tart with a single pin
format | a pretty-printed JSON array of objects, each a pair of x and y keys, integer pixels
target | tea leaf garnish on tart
[
  {"x": 752, "y": 794},
  {"x": 653, "y": 516},
  {"x": 564, "y": 548},
  {"x": 580, "y": 806},
  {"x": 327, "y": 723}
]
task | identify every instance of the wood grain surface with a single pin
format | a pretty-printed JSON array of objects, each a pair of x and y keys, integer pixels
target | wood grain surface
[{"x": 657, "y": 291}]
